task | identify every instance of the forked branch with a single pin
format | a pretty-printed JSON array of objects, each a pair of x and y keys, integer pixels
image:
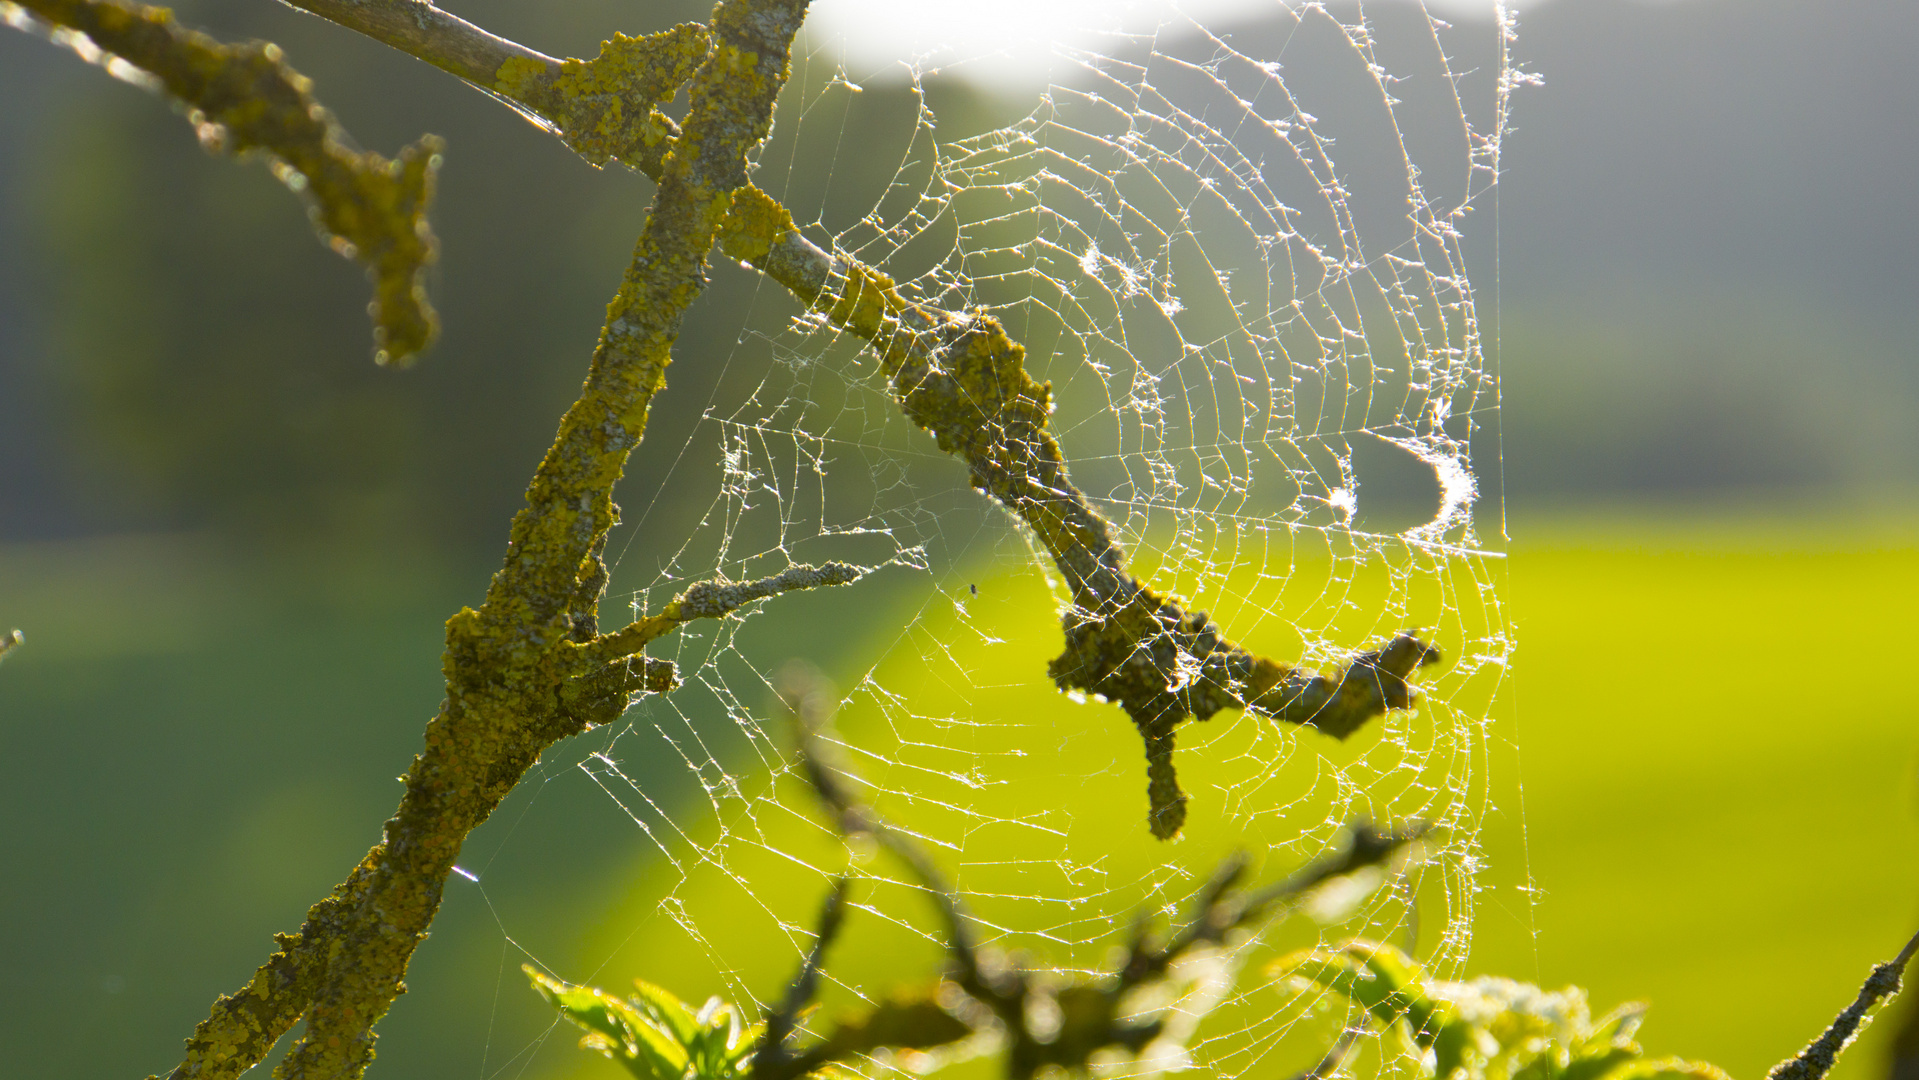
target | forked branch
[
  {"x": 961, "y": 378},
  {"x": 528, "y": 666},
  {"x": 611, "y": 670},
  {"x": 245, "y": 99},
  {"x": 517, "y": 677}
]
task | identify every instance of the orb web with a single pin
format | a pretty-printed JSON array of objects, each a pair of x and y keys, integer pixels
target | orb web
[{"x": 1239, "y": 256}]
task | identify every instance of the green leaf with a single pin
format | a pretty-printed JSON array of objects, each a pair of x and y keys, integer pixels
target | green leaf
[
  {"x": 1379, "y": 978},
  {"x": 665, "y": 1058},
  {"x": 1488, "y": 1027},
  {"x": 617, "y": 1029},
  {"x": 1606, "y": 1065},
  {"x": 1617, "y": 1027},
  {"x": 914, "y": 1022},
  {"x": 671, "y": 1013},
  {"x": 719, "y": 1026},
  {"x": 1670, "y": 1069}
]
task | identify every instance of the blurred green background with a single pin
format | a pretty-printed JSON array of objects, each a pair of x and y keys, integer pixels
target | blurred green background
[{"x": 232, "y": 541}]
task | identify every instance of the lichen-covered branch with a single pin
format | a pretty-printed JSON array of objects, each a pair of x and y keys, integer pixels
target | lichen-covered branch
[
  {"x": 514, "y": 683},
  {"x": 711, "y": 600},
  {"x": 245, "y": 99},
  {"x": 1820, "y": 1055},
  {"x": 961, "y": 378},
  {"x": 501, "y": 660},
  {"x": 610, "y": 668},
  {"x": 602, "y": 695}
]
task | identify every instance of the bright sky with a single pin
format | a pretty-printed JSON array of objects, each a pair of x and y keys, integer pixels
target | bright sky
[{"x": 1002, "y": 40}]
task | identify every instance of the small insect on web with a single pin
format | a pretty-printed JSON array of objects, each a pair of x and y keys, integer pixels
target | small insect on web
[{"x": 1161, "y": 320}]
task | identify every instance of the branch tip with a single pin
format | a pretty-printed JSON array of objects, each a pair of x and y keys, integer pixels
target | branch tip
[
  {"x": 1820, "y": 1055},
  {"x": 715, "y": 599},
  {"x": 244, "y": 99}
]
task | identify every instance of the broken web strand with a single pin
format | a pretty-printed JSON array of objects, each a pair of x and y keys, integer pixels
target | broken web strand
[{"x": 1219, "y": 339}]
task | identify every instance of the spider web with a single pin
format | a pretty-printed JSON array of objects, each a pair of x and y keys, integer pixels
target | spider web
[{"x": 1239, "y": 256}]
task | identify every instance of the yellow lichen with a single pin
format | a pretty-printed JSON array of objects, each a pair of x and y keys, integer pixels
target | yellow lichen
[
  {"x": 519, "y": 76},
  {"x": 754, "y": 224},
  {"x": 604, "y": 107}
]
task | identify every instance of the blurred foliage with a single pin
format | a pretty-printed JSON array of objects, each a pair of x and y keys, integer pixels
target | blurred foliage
[
  {"x": 1705, "y": 395},
  {"x": 1489, "y": 1028},
  {"x": 653, "y": 1034},
  {"x": 243, "y": 99}
]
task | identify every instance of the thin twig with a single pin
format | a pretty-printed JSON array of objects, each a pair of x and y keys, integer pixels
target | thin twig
[
  {"x": 426, "y": 32},
  {"x": 1364, "y": 845},
  {"x": 772, "y": 1051},
  {"x": 1342, "y": 1049},
  {"x": 807, "y": 696},
  {"x": 1095, "y": 1020},
  {"x": 712, "y": 600},
  {"x": 1819, "y": 1056},
  {"x": 1221, "y": 908}
]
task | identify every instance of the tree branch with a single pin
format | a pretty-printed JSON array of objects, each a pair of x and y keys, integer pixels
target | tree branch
[
  {"x": 509, "y": 694},
  {"x": 421, "y": 30},
  {"x": 1222, "y": 908},
  {"x": 1819, "y": 1056},
  {"x": 499, "y": 658},
  {"x": 245, "y": 98},
  {"x": 603, "y": 695},
  {"x": 1335, "y": 1056},
  {"x": 610, "y": 669}
]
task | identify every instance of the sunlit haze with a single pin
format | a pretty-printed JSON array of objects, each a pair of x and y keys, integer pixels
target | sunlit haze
[{"x": 1001, "y": 40}]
